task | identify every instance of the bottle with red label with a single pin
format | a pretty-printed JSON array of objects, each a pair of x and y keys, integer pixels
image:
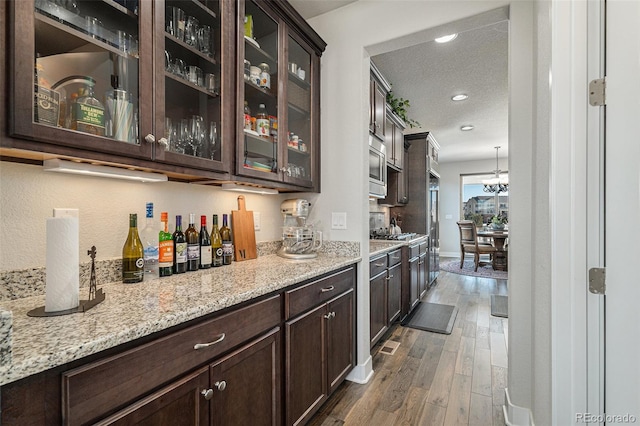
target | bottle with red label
[{"x": 262, "y": 121}]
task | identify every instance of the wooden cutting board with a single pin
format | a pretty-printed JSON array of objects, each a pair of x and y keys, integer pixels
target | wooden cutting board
[{"x": 244, "y": 235}]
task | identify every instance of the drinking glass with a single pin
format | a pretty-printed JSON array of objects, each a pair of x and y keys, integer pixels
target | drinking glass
[
  {"x": 179, "y": 68},
  {"x": 191, "y": 31},
  {"x": 204, "y": 39},
  {"x": 213, "y": 139},
  {"x": 176, "y": 22},
  {"x": 182, "y": 136},
  {"x": 168, "y": 133},
  {"x": 195, "y": 75}
]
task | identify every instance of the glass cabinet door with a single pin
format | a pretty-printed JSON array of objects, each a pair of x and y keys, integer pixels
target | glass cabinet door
[
  {"x": 300, "y": 130},
  {"x": 82, "y": 86},
  {"x": 258, "y": 49},
  {"x": 189, "y": 44}
]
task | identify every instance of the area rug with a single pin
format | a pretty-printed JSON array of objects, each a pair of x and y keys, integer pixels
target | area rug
[
  {"x": 485, "y": 271},
  {"x": 432, "y": 317}
]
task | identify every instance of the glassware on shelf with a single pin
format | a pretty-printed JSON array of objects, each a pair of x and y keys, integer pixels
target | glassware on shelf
[
  {"x": 176, "y": 22},
  {"x": 213, "y": 139},
  {"x": 191, "y": 31},
  {"x": 204, "y": 40},
  {"x": 196, "y": 135}
]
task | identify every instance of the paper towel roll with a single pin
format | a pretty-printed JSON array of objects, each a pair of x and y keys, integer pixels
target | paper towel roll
[{"x": 63, "y": 258}]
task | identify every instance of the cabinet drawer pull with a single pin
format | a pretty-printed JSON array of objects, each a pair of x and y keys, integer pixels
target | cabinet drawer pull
[
  {"x": 389, "y": 277},
  {"x": 327, "y": 289},
  {"x": 330, "y": 315},
  {"x": 221, "y": 385},
  {"x": 379, "y": 264},
  {"x": 396, "y": 257},
  {"x": 206, "y": 345},
  {"x": 207, "y": 393}
]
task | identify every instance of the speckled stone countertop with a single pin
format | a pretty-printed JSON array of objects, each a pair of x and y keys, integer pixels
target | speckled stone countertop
[
  {"x": 377, "y": 247},
  {"x": 131, "y": 311}
]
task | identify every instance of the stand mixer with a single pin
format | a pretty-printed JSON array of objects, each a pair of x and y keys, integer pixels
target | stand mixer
[{"x": 299, "y": 239}]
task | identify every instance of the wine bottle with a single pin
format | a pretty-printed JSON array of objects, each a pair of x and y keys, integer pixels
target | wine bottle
[
  {"x": 179, "y": 248},
  {"x": 149, "y": 237},
  {"x": 165, "y": 248},
  {"x": 133, "y": 254},
  {"x": 193, "y": 245},
  {"x": 216, "y": 243},
  {"x": 205, "y": 245},
  {"x": 227, "y": 245}
]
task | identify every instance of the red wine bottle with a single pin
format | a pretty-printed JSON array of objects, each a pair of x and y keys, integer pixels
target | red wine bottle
[
  {"x": 179, "y": 248},
  {"x": 193, "y": 245},
  {"x": 205, "y": 245}
]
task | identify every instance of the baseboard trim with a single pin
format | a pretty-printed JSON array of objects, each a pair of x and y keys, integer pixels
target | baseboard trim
[
  {"x": 362, "y": 373},
  {"x": 450, "y": 254},
  {"x": 515, "y": 415}
]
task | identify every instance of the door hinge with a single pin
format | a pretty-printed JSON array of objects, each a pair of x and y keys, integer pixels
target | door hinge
[
  {"x": 597, "y": 91},
  {"x": 597, "y": 284}
]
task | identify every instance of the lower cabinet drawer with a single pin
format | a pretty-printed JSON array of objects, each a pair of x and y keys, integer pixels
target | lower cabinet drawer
[
  {"x": 96, "y": 389},
  {"x": 316, "y": 292}
]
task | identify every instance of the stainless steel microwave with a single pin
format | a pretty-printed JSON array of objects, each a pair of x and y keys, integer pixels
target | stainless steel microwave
[{"x": 377, "y": 168}]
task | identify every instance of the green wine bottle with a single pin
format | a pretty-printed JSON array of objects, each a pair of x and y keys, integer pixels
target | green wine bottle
[
  {"x": 216, "y": 243},
  {"x": 133, "y": 254}
]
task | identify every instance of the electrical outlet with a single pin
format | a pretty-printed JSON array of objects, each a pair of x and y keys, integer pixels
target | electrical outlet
[
  {"x": 338, "y": 220},
  {"x": 256, "y": 221}
]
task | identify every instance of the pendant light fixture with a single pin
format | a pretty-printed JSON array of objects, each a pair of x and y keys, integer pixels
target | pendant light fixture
[{"x": 497, "y": 184}]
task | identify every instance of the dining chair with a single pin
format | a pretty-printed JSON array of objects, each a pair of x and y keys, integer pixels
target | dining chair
[{"x": 469, "y": 243}]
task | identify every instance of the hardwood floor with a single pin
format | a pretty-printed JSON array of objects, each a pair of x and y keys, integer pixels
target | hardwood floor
[{"x": 434, "y": 379}]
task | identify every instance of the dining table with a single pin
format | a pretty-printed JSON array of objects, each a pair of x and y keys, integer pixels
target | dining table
[{"x": 499, "y": 237}]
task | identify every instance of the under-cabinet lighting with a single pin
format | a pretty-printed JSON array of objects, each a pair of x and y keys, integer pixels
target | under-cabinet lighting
[
  {"x": 447, "y": 38},
  {"x": 64, "y": 166},
  {"x": 249, "y": 189}
]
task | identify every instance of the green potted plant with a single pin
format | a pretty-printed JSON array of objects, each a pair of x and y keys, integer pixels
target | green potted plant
[
  {"x": 499, "y": 221},
  {"x": 399, "y": 107}
]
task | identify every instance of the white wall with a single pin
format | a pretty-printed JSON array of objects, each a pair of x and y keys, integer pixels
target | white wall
[
  {"x": 29, "y": 194},
  {"x": 450, "y": 198}
]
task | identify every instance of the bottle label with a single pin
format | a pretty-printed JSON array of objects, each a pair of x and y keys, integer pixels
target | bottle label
[
  {"x": 47, "y": 106},
  {"x": 205, "y": 255},
  {"x": 165, "y": 256},
  {"x": 217, "y": 256},
  {"x": 193, "y": 251},
  {"x": 262, "y": 126},
  {"x": 181, "y": 252},
  {"x": 151, "y": 253},
  {"x": 88, "y": 119},
  {"x": 247, "y": 121}
]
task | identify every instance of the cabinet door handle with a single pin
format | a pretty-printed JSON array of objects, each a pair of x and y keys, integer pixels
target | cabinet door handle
[
  {"x": 150, "y": 138},
  {"x": 330, "y": 315},
  {"x": 389, "y": 277},
  {"x": 206, "y": 345},
  {"x": 327, "y": 289},
  {"x": 221, "y": 385},
  {"x": 207, "y": 393},
  {"x": 379, "y": 264},
  {"x": 164, "y": 142}
]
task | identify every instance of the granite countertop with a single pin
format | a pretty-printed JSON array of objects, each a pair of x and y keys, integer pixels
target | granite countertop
[
  {"x": 131, "y": 311},
  {"x": 377, "y": 247}
]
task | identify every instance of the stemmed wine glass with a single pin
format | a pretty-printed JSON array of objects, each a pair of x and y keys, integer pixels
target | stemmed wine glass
[
  {"x": 213, "y": 139},
  {"x": 181, "y": 138},
  {"x": 196, "y": 134}
]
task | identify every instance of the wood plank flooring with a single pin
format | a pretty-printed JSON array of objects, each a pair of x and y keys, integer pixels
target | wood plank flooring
[{"x": 434, "y": 379}]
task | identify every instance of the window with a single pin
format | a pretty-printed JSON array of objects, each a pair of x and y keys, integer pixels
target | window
[{"x": 478, "y": 205}]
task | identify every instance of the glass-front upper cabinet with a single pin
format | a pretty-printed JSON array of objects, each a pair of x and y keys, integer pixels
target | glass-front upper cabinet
[
  {"x": 76, "y": 74},
  {"x": 258, "y": 94},
  {"x": 190, "y": 35},
  {"x": 301, "y": 130}
]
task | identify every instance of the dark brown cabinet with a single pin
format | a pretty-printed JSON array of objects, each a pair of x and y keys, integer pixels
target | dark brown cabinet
[
  {"x": 320, "y": 343},
  {"x": 245, "y": 385},
  {"x": 135, "y": 89},
  {"x": 284, "y": 148},
  {"x": 385, "y": 293},
  {"x": 377, "y": 109},
  {"x": 394, "y": 140}
]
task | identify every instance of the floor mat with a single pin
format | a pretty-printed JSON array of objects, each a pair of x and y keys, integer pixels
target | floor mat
[
  {"x": 432, "y": 317},
  {"x": 499, "y": 306}
]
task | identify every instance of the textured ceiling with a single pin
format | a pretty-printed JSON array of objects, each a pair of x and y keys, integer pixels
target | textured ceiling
[{"x": 428, "y": 74}]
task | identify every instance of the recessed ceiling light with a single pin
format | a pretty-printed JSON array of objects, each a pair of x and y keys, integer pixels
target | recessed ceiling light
[
  {"x": 460, "y": 97},
  {"x": 466, "y": 127},
  {"x": 447, "y": 38}
]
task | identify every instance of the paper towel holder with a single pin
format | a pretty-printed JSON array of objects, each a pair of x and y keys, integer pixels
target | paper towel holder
[{"x": 96, "y": 296}]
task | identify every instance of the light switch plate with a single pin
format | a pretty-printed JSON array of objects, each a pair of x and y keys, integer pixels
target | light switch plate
[
  {"x": 338, "y": 220},
  {"x": 256, "y": 221}
]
